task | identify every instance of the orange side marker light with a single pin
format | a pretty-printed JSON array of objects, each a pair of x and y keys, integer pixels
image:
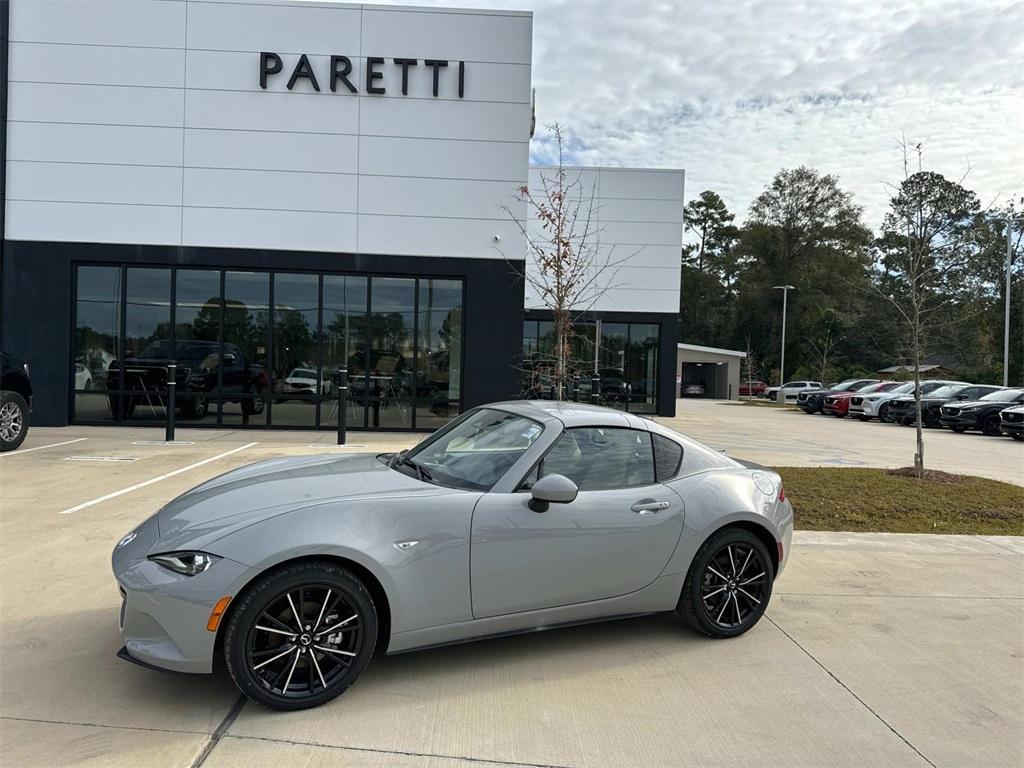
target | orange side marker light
[{"x": 217, "y": 613}]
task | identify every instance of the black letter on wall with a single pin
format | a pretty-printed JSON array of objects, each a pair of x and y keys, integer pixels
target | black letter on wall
[
  {"x": 462, "y": 78},
  {"x": 405, "y": 64},
  {"x": 302, "y": 69},
  {"x": 372, "y": 74},
  {"x": 341, "y": 74},
  {"x": 436, "y": 64},
  {"x": 270, "y": 64}
]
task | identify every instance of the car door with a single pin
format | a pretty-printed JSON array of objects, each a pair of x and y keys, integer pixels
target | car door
[{"x": 615, "y": 538}]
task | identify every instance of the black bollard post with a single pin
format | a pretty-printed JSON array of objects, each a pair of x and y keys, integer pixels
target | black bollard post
[
  {"x": 172, "y": 386},
  {"x": 629, "y": 395},
  {"x": 595, "y": 390},
  {"x": 342, "y": 382},
  {"x": 575, "y": 389}
]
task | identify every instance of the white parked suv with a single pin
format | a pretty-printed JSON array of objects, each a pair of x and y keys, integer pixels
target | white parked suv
[
  {"x": 876, "y": 405},
  {"x": 790, "y": 390}
]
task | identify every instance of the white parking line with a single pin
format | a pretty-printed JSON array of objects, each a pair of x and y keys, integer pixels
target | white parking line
[
  {"x": 40, "y": 447},
  {"x": 129, "y": 489}
]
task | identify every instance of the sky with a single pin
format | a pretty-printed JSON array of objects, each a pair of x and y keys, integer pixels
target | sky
[{"x": 734, "y": 91}]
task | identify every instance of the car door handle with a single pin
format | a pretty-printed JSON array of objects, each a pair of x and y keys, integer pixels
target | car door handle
[{"x": 649, "y": 506}]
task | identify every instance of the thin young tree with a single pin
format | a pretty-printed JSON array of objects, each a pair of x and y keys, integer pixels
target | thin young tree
[
  {"x": 750, "y": 367},
  {"x": 567, "y": 268},
  {"x": 923, "y": 262}
]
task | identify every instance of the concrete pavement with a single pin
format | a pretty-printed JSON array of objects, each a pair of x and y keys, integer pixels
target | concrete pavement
[
  {"x": 881, "y": 650},
  {"x": 791, "y": 438}
]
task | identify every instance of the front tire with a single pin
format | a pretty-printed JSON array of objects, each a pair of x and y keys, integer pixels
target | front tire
[
  {"x": 990, "y": 426},
  {"x": 728, "y": 586},
  {"x": 300, "y": 635},
  {"x": 14, "y": 419}
]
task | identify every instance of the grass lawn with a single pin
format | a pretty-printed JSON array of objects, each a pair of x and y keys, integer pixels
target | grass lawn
[{"x": 856, "y": 499}]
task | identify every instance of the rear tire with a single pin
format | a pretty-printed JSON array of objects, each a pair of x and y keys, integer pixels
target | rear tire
[
  {"x": 302, "y": 669},
  {"x": 14, "y": 418},
  {"x": 735, "y": 563}
]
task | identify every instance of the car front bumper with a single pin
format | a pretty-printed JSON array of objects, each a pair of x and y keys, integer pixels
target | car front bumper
[
  {"x": 164, "y": 615},
  {"x": 964, "y": 421},
  {"x": 867, "y": 408},
  {"x": 1014, "y": 428}
]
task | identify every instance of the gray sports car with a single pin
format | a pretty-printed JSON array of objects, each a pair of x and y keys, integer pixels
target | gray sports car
[{"x": 515, "y": 517}]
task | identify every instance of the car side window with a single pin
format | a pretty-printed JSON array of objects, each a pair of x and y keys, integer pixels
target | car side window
[
  {"x": 602, "y": 458},
  {"x": 668, "y": 455}
]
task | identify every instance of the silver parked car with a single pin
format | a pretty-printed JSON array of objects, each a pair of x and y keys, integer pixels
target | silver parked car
[{"x": 515, "y": 517}]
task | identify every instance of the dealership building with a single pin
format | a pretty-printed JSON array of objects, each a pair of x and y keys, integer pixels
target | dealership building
[{"x": 265, "y": 191}]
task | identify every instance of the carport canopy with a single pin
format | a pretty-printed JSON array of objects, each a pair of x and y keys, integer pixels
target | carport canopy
[{"x": 716, "y": 370}]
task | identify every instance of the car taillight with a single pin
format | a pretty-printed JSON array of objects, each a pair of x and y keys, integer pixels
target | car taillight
[{"x": 782, "y": 493}]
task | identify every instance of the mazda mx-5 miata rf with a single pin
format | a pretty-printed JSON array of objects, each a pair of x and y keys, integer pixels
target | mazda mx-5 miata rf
[{"x": 515, "y": 517}]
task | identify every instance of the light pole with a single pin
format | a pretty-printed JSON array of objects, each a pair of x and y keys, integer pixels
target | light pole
[
  {"x": 1006, "y": 319},
  {"x": 782, "y": 362}
]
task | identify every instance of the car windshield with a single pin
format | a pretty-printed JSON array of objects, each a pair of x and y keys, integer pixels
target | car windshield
[
  {"x": 876, "y": 387},
  {"x": 903, "y": 388},
  {"x": 303, "y": 373},
  {"x": 1004, "y": 395},
  {"x": 473, "y": 452},
  {"x": 947, "y": 392}
]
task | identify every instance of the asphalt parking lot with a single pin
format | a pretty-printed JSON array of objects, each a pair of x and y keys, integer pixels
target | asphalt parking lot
[{"x": 881, "y": 650}]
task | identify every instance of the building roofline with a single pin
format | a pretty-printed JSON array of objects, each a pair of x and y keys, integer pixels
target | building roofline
[{"x": 712, "y": 350}]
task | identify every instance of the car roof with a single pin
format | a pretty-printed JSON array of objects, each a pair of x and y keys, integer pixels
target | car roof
[{"x": 571, "y": 414}]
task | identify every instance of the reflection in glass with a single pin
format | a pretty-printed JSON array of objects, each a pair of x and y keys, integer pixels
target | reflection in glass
[
  {"x": 197, "y": 318},
  {"x": 296, "y": 370},
  {"x": 642, "y": 371},
  {"x": 342, "y": 342},
  {"x": 97, "y": 329},
  {"x": 243, "y": 364},
  {"x": 612, "y": 363},
  {"x": 147, "y": 343},
  {"x": 92, "y": 406},
  {"x": 439, "y": 352},
  {"x": 389, "y": 389}
]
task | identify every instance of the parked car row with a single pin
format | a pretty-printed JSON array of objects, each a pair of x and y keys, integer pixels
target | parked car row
[{"x": 957, "y": 405}]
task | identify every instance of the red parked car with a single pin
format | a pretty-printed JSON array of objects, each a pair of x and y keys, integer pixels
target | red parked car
[
  {"x": 753, "y": 389},
  {"x": 838, "y": 405}
]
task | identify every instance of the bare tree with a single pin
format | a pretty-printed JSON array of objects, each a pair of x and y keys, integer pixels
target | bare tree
[
  {"x": 566, "y": 266},
  {"x": 750, "y": 368},
  {"x": 824, "y": 346},
  {"x": 923, "y": 261}
]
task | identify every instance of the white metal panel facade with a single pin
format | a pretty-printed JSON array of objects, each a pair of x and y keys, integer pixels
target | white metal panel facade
[
  {"x": 144, "y": 122},
  {"x": 637, "y": 216}
]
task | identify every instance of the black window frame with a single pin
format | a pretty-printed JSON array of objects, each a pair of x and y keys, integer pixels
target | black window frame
[{"x": 216, "y": 420}]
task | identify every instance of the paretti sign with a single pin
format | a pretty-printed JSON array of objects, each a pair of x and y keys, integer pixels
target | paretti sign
[{"x": 339, "y": 72}]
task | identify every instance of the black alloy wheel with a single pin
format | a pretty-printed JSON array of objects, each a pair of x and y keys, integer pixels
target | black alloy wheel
[
  {"x": 729, "y": 584},
  {"x": 300, "y": 636},
  {"x": 991, "y": 425},
  {"x": 883, "y": 413}
]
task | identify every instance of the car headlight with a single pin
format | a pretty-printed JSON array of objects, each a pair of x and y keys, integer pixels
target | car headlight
[
  {"x": 185, "y": 563},
  {"x": 970, "y": 409}
]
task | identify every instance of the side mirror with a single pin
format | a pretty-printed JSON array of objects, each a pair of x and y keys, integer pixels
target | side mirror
[
  {"x": 552, "y": 489},
  {"x": 961, "y": 397},
  {"x": 229, "y": 358}
]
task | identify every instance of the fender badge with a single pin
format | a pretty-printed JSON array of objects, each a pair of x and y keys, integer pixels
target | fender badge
[
  {"x": 127, "y": 539},
  {"x": 404, "y": 545}
]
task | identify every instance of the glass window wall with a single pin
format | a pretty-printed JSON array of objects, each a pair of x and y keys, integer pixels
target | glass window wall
[{"x": 261, "y": 348}]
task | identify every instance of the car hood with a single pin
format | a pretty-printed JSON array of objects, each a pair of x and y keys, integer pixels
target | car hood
[
  {"x": 248, "y": 495},
  {"x": 972, "y": 404}
]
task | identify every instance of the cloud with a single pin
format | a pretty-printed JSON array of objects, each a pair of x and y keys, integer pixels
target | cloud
[{"x": 735, "y": 91}]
